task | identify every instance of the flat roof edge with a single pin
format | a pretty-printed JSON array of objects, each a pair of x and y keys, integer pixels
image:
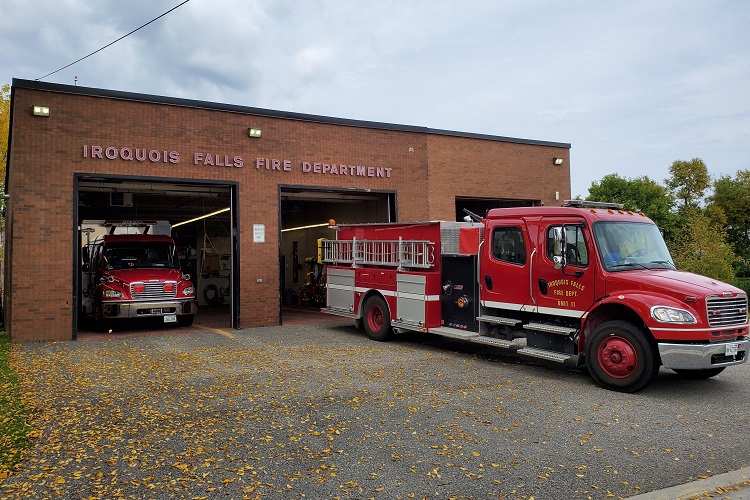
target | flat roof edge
[{"x": 288, "y": 115}]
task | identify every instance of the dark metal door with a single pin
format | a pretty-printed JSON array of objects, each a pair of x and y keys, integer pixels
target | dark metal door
[{"x": 459, "y": 297}]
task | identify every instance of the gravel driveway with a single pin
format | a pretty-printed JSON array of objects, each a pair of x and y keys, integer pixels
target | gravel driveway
[{"x": 322, "y": 412}]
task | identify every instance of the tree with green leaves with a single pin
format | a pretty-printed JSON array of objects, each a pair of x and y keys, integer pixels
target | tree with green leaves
[
  {"x": 732, "y": 197},
  {"x": 639, "y": 195},
  {"x": 701, "y": 248},
  {"x": 689, "y": 181},
  {"x": 4, "y": 126},
  {"x": 4, "y": 130}
]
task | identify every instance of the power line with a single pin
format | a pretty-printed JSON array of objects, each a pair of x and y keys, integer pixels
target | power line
[{"x": 112, "y": 43}]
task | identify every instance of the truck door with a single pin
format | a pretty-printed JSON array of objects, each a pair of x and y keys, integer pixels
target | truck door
[
  {"x": 568, "y": 291},
  {"x": 505, "y": 266}
]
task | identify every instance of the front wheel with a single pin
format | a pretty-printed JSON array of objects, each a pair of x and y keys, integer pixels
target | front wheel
[
  {"x": 377, "y": 319},
  {"x": 100, "y": 322},
  {"x": 698, "y": 374},
  {"x": 620, "y": 357},
  {"x": 185, "y": 319}
]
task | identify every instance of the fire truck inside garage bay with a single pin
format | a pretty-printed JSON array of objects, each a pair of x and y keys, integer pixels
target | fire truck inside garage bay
[{"x": 588, "y": 285}]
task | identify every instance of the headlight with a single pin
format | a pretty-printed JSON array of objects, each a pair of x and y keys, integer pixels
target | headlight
[
  {"x": 188, "y": 290},
  {"x": 664, "y": 314},
  {"x": 112, "y": 294}
]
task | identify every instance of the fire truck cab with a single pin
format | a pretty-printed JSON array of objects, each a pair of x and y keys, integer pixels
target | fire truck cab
[{"x": 584, "y": 284}]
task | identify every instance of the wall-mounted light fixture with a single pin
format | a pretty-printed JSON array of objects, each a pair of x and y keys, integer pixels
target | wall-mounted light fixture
[
  {"x": 557, "y": 195},
  {"x": 41, "y": 110},
  {"x": 254, "y": 132},
  {"x": 557, "y": 161}
]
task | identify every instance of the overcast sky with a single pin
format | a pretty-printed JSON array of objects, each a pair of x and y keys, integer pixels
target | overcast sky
[{"x": 631, "y": 85}]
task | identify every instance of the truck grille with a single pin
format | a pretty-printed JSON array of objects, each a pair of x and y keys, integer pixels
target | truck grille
[
  {"x": 724, "y": 311},
  {"x": 153, "y": 291}
]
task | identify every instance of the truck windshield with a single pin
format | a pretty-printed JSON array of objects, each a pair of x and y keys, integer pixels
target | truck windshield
[
  {"x": 631, "y": 245},
  {"x": 130, "y": 255}
]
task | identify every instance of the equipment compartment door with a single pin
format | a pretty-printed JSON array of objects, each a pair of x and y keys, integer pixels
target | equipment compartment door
[
  {"x": 340, "y": 289},
  {"x": 410, "y": 299},
  {"x": 459, "y": 297}
]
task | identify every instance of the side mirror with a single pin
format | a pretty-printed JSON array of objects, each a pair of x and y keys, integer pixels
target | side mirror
[
  {"x": 558, "y": 255},
  {"x": 85, "y": 268},
  {"x": 85, "y": 254}
]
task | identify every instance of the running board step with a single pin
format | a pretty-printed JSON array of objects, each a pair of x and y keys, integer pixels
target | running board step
[
  {"x": 493, "y": 342},
  {"x": 454, "y": 333},
  {"x": 550, "y": 328},
  {"x": 559, "y": 357},
  {"x": 499, "y": 321}
]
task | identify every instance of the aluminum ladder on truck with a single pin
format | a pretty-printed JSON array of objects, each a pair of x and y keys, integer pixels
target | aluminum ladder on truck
[{"x": 415, "y": 254}]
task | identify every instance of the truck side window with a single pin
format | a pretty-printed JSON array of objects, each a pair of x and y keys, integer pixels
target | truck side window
[
  {"x": 508, "y": 245},
  {"x": 576, "y": 253}
]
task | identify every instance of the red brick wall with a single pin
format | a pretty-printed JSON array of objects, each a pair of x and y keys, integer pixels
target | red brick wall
[
  {"x": 477, "y": 168},
  {"x": 47, "y": 152}
]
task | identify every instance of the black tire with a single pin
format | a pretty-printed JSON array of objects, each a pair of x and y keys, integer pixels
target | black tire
[
  {"x": 100, "y": 322},
  {"x": 212, "y": 296},
  {"x": 377, "y": 319},
  {"x": 185, "y": 319},
  {"x": 698, "y": 374},
  {"x": 620, "y": 357},
  {"x": 359, "y": 324}
]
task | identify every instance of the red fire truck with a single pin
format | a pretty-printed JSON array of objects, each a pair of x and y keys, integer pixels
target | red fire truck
[
  {"x": 135, "y": 276},
  {"x": 585, "y": 284}
]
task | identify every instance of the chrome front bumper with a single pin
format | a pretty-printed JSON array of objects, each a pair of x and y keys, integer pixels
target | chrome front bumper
[
  {"x": 703, "y": 356},
  {"x": 117, "y": 310}
]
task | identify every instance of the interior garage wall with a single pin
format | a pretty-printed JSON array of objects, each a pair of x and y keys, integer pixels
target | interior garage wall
[
  {"x": 477, "y": 168},
  {"x": 316, "y": 213}
]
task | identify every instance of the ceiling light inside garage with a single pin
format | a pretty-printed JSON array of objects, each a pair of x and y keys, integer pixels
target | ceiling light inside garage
[
  {"x": 305, "y": 227},
  {"x": 202, "y": 217}
]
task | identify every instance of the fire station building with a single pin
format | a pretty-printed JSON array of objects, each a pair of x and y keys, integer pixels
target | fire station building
[{"x": 245, "y": 193}]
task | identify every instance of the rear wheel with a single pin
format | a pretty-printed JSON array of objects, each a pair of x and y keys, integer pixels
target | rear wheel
[
  {"x": 377, "y": 319},
  {"x": 620, "y": 357},
  {"x": 698, "y": 374}
]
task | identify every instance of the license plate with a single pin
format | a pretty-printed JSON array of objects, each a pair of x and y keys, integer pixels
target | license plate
[
  {"x": 731, "y": 349},
  {"x": 170, "y": 318}
]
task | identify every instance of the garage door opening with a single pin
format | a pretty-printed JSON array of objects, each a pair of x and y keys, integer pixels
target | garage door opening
[
  {"x": 199, "y": 217},
  {"x": 304, "y": 215}
]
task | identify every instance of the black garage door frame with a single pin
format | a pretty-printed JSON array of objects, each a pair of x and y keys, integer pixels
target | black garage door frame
[
  {"x": 392, "y": 214},
  {"x": 178, "y": 181}
]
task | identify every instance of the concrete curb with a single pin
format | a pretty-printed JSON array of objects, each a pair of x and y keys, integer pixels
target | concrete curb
[{"x": 735, "y": 485}]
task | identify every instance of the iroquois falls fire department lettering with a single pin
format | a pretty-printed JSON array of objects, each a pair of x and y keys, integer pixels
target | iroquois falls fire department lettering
[
  {"x": 565, "y": 291},
  {"x": 312, "y": 167}
]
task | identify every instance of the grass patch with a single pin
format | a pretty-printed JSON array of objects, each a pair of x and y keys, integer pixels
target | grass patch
[{"x": 13, "y": 427}]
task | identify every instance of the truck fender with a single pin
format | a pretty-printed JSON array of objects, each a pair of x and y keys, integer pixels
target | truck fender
[
  {"x": 623, "y": 306},
  {"x": 641, "y": 303},
  {"x": 367, "y": 295}
]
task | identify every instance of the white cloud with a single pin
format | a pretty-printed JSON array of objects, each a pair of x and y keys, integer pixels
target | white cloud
[{"x": 632, "y": 85}]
